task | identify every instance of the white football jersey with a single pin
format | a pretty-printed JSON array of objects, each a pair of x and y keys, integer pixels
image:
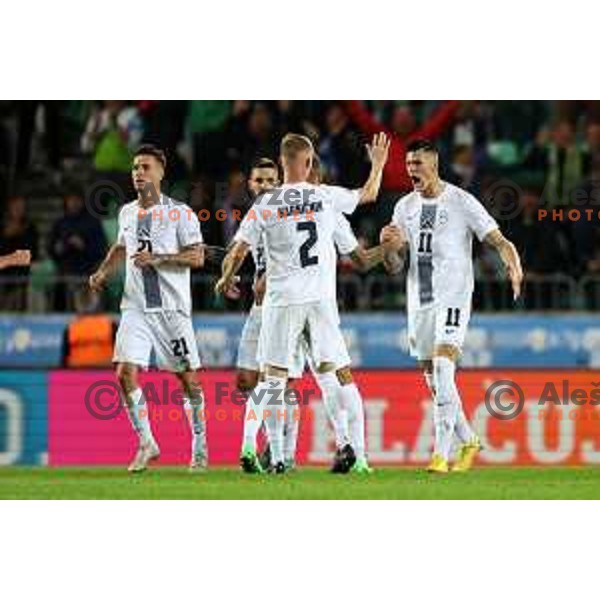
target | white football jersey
[
  {"x": 165, "y": 228},
  {"x": 345, "y": 241},
  {"x": 297, "y": 222},
  {"x": 440, "y": 235}
]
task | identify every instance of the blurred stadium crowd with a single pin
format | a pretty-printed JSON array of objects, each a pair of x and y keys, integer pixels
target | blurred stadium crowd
[{"x": 515, "y": 156}]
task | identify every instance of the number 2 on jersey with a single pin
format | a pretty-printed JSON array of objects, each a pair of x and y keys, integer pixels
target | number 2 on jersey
[{"x": 305, "y": 248}]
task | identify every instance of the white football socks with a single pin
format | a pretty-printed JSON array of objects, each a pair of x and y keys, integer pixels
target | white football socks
[
  {"x": 269, "y": 394},
  {"x": 332, "y": 399},
  {"x": 253, "y": 418},
  {"x": 290, "y": 438},
  {"x": 353, "y": 403},
  {"x": 462, "y": 429},
  {"x": 446, "y": 403},
  {"x": 137, "y": 409},
  {"x": 194, "y": 410}
]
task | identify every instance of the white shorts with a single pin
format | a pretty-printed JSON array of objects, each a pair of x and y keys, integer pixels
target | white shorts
[
  {"x": 431, "y": 327},
  {"x": 169, "y": 333},
  {"x": 247, "y": 357},
  {"x": 284, "y": 329}
]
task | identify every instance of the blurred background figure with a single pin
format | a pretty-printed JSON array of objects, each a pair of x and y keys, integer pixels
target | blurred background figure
[
  {"x": 89, "y": 338},
  {"x": 17, "y": 233},
  {"x": 77, "y": 244}
]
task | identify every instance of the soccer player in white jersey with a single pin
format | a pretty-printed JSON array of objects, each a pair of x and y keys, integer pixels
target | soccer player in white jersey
[
  {"x": 342, "y": 399},
  {"x": 439, "y": 221},
  {"x": 160, "y": 241},
  {"x": 335, "y": 398},
  {"x": 297, "y": 221},
  {"x": 264, "y": 175}
]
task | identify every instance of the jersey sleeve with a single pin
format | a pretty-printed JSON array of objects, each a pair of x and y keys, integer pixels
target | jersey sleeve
[
  {"x": 398, "y": 218},
  {"x": 121, "y": 228},
  {"x": 343, "y": 236},
  {"x": 188, "y": 231},
  {"x": 344, "y": 200},
  {"x": 250, "y": 230},
  {"x": 479, "y": 220}
]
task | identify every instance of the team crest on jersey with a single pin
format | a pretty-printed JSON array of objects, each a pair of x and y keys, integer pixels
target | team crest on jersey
[{"x": 443, "y": 218}]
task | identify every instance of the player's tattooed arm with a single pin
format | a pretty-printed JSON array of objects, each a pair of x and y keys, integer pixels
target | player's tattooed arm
[
  {"x": 231, "y": 265},
  {"x": 378, "y": 151},
  {"x": 510, "y": 257},
  {"x": 395, "y": 247},
  {"x": 191, "y": 256},
  {"x": 114, "y": 256},
  {"x": 366, "y": 259}
]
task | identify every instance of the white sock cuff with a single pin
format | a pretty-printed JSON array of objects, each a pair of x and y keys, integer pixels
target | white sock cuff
[{"x": 444, "y": 370}]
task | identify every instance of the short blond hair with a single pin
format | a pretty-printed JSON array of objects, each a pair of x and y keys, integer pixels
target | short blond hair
[{"x": 293, "y": 144}]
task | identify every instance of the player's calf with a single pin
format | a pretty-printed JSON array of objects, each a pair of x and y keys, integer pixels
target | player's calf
[{"x": 193, "y": 406}]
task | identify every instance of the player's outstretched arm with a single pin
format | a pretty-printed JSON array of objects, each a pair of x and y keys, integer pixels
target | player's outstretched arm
[
  {"x": 231, "y": 265},
  {"x": 114, "y": 256},
  {"x": 191, "y": 256},
  {"x": 395, "y": 246},
  {"x": 510, "y": 257},
  {"x": 18, "y": 258},
  {"x": 378, "y": 151}
]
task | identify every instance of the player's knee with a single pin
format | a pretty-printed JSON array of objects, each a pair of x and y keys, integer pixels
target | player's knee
[
  {"x": 189, "y": 383},
  {"x": 344, "y": 375},
  {"x": 246, "y": 381},
  {"x": 127, "y": 376},
  {"x": 326, "y": 367},
  {"x": 426, "y": 366},
  {"x": 448, "y": 351},
  {"x": 273, "y": 371}
]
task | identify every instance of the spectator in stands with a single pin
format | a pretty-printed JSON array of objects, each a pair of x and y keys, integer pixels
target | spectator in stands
[
  {"x": 561, "y": 160},
  {"x": 395, "y": 176},
  {"x": 112, "y": 133},
  {"x": 77, "y": 244},
  {"x": 252, "y": 134},
  {"x": 341, "y": 149},
  {"x": 163, "y": 125},
  {"x": 17, "y": 233},
  {"x": 463, "y": 169},
  {"x": 592, "y": 149},
  {"x": 206, "y": 122},
  {"x": 26, "y": 112},
  {"x": 541, "y": 242}
]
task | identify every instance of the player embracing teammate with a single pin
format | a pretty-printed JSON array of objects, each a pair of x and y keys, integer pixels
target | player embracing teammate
[{"x": 296, "y": 223}]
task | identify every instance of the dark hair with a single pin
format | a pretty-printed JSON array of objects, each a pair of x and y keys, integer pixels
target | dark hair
[
  {"x": 263, "y": 163},
  {"x": 152, "y": 150},
  {"x": 423, "y": 145}
]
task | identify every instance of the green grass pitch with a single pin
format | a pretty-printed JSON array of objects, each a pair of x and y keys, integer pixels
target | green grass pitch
[{"x": 305, "y": 483}]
